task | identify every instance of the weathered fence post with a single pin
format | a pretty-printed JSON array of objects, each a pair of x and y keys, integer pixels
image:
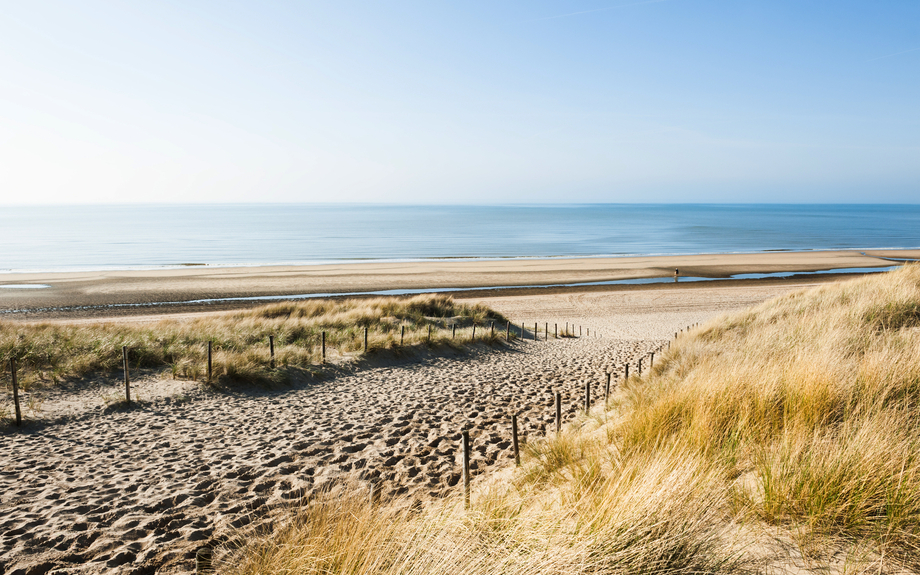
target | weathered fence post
[
  {"x": 210, "y": 345},
  {"x": 558, "y": 412},
  {"x": 324, "y": 347},
  {"x": 536, "y": 331},
  {"x": 466, "y": 469},
  {"x": 579, "y": 331},
  {"x": 473, "y": 338},
  {"x": 492, "y": 328},
  {"x": 514, "y": 439},
  {"x": 640, "y": 367},
  {"x": 588, "y": 396},
  {"x": 453, "y": 331},
  {"x": 607, "y": 389},
  {"x": 556, "y": 330},
  {"x": 626, "y": 376},
  {"x": 402, "y": 334},
  {"x": 124, "y": 361},
  {"x": 651, "y": 361},
  {"x": 365, "y": 337},
  {"x": 546, "y": 331},
  {"x": 271, "y": 350},
  {"x": 15, "y": 392}
]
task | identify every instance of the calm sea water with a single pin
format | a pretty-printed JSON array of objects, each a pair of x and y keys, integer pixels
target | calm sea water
[{"x": 131, "y": 237}]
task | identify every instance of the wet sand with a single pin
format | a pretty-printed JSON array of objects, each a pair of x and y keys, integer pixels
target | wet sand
[
  {"x": 90, "y": 488},
  {"x": 89, "y": 294}
]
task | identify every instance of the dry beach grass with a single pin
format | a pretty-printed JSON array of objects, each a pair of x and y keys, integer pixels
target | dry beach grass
[
  {"x": 49, "y": 352},
  {"x": 782, "y": 439}
]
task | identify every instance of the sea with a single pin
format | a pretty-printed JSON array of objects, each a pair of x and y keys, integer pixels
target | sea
[{"x": 132, "y": 237}]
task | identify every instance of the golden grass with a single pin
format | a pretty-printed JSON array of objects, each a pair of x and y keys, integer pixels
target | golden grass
[
  {"x": 51, "y": 352},
  {"x": 800, "y": 415}
]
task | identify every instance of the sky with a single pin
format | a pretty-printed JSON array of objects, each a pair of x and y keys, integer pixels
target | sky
[{"x": 807, "y": 101}]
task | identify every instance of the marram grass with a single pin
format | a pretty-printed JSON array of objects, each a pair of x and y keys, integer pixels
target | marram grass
[
  {"x": 799, "y": 416},
  {"x": 50, "y": 352}
]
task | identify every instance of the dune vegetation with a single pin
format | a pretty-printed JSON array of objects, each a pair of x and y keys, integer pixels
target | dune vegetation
[
  {"x": 51, "y": 352},
  {"x": 785, "y": 438}
]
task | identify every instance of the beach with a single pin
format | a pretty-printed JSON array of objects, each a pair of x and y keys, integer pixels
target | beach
[
  {"x": 88, "y": 486},
  {"x": 116, "y": 293}
]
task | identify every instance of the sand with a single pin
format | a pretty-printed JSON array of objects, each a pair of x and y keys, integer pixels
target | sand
[
  {"x": 90, "y": 488},
  {"x": 88, "y": 294}
]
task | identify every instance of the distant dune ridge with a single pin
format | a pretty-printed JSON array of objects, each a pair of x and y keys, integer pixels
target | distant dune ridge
[{"x": 784, "y": 438}]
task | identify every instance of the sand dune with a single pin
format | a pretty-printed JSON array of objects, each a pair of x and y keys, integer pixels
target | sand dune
[{"x": 88, "y": 488}]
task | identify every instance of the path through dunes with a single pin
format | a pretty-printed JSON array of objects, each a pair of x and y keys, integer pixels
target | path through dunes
[{"x": 138, "y": 491}]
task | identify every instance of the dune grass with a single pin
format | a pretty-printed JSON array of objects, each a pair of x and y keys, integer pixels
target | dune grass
[
  {"x": 51, "y": 352},
  {"x": 799, "y": 416}
]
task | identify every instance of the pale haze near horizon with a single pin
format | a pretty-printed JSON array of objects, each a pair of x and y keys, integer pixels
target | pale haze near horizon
[{"x": 423, "y": 102}]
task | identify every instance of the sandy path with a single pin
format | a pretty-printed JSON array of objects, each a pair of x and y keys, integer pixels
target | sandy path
[{"x": 138, "y": 491}]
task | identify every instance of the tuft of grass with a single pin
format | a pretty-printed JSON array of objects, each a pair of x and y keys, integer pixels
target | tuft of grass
[{"x": 50, "y": 352}]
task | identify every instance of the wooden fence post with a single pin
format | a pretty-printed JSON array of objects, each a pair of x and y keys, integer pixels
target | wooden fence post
[
  {"x": 536, "y": 331},
  {"x": 473, "y": 338},
  {"x": 556, "y": 330},
  {"x": 324, "y": 347},
  {"x": 588, "y": 396},
  {"x": 607, "y": 389},
  {"x": 210, "y": 345},
  {"x": 15, "y": 392},
  {"x": 453, "y": 331},
  {"x": 271, "y": 350},
  {"x": 651, "y": 361},
  {"x": 514, "y": 439},
  {"x": 546, "y": 331},
  {"x": 124, "y": 360},
  {"x": 402, "y": 334},
  {"x": 640, "y": 367},
  {"x": 626, "y": 376},
  {"x": 558, "y": 412},
  {"x": 466, "y": 469},
  {"x": 365, "y": 337}
]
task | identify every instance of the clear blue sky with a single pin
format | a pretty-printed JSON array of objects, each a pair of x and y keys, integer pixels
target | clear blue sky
[{"x": 463, "y": 102}]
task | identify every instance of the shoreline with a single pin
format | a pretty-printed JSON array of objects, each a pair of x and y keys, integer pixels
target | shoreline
[{"x": 74, "y": 295}]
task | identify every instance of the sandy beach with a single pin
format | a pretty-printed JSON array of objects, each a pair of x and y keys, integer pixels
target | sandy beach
[
  {"x": 90, "y": 294},
  {"x": 89, "y": 488}
]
